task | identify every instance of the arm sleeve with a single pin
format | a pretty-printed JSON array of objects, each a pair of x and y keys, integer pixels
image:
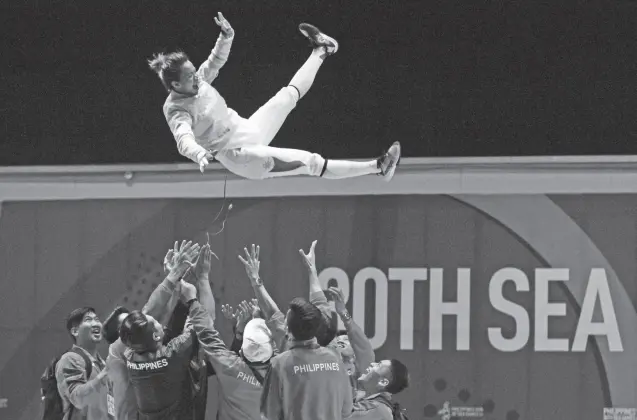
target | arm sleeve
[
  {"x": 271, "y": 407},
  {"x": 206, "y": 297},
  {"x": 180, "y": 123},
  {"x": 180, "y": 345},
  {"x": 361, "y": 345},
  {"x": 210, "y": 340},
  {"x": 209, "y": 69},
  {"x": 159, "y": 299},
  {"x": 276, "y": 324},
  {"x": 367, "y": 409},
  {"x": 237, "y": 341},
  {"x": 70, "y": 373},
  {"x": 118, "y": 375}
]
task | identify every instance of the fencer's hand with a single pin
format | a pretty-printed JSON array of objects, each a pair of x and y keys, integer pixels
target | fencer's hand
[
  {"x": 251, "y": 263},
  {"x": 188, "y": 292},
  {"x": 336, "y": 295},
  {"x": 203, "y": 159},
  {"x": 310, "y": 258},
  {"x": 226, "y": 29}
]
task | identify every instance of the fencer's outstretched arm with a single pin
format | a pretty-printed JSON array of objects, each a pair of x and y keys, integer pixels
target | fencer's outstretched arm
[
  {"x": 209, "y": 69},
  {"x": 180, "y": 123}
]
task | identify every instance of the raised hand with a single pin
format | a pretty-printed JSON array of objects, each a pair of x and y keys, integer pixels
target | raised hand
[
  {"x": 244, "y": 315},
  {"x": 202, "y": 267},
  {"x": 310, "y": 258},
  {"x": 336, "y": 295},
  {"x": 183, "y": 258},
  {"x": 256, "y": 310},
  {"x": 252, "y": 264},
  {"x": 228, "y": 312},
  {"x": 226, "y": 29}
]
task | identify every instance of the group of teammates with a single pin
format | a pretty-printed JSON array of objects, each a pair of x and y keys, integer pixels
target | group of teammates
[{"x": 280, "y": 366}]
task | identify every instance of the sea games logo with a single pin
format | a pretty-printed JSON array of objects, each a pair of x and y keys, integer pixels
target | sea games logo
[
  {"x": 448, "y": 412},
  {"x": 620, "y": 413}
]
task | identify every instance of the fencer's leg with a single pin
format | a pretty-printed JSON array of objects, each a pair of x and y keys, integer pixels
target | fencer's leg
[
  {"x": 270, "y": 117},
  {"x": 322, "y": 46},
  {"x": 260, "y": 162},
  {"x": 300, "y": 162}
]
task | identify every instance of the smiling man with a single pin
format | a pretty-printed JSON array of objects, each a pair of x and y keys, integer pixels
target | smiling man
[{"x": 81, "y": 372}]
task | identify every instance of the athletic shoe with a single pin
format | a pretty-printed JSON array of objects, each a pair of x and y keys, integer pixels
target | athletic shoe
[
  {"x": 318, "y": 38},
  {"x": 388, "y": 162}
]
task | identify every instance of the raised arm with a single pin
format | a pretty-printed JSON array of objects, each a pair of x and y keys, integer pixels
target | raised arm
[
  {"x": 363, "y": 350},
  {"x": 273, "y": 316},
  {"x": 162, "y": 301},
  {"x": 209, "y": 70},
  {"x": 317, "y": 297},
  {"x": 252, "y": 264},
  {"x": 216, "y": 351},
  {"x": 201, "y": 274}
]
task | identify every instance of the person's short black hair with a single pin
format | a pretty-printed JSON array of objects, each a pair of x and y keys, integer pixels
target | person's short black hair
[
  {"x": 110, "y": 327},
  {"x": 399, "y": 377},
  {"x": 75, "y": 318},
  {"x": 327, "y": 328},
  {"x": 137, "y": 332},
  {"x": 304, "y": 319}
]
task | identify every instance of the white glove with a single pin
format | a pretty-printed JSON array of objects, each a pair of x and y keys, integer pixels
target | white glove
[{"x": 202, "y": 159}]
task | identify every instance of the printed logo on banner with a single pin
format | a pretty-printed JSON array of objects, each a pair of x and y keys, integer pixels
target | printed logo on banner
[
  {"x": 614, "y": 413},
  {"x": 448, "y": 412},
  {"x": 4, "y": 402}
]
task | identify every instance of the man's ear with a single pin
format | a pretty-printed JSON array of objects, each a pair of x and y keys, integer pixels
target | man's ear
[
  {"x": 383, "y": 382},
  {"x": 75, "y": 331}
]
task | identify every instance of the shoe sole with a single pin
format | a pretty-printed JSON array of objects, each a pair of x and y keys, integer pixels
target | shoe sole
[
  {"x": 389, "y": 174},
  {"x": 311, "y": 32}
]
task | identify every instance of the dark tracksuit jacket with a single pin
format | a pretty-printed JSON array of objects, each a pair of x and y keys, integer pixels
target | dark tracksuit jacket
[
  {"x": 307, "y": 382},
  {"x": 240, "y": 390},
  {"x": 158, "y": 378}
]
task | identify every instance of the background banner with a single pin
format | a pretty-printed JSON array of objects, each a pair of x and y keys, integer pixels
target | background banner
[{"x": 502, "y": 306}]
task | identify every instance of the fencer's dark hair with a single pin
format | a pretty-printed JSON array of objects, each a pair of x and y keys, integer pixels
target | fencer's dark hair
[
  {"x": 137, "y": 332},
  {"x": 168, "y": 66},
  {"x": 304, "y": 319},
  {"x": 399, "y": 377},
  {"x": 327, "y": 328},
  {"x": 111, "y": 324},
  {"x": 74, "y": 319}
]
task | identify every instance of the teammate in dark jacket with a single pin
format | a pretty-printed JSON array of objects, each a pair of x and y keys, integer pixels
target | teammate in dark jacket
[{"x": 157, "y": 371}]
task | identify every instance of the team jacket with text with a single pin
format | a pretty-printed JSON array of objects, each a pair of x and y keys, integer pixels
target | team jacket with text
[
  {"x": 158, "y": 378},
  {"x": 240, "y": 390},
  {"x": 306, "y": 382}
]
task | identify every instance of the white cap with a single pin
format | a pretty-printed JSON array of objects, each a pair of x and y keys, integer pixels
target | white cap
[{"x": 257, "y": 341}]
